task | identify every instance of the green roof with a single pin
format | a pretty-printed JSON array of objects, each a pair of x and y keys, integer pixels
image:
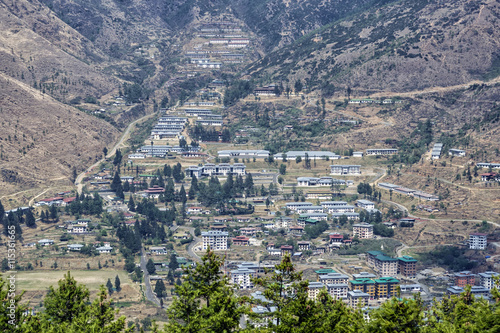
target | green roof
[
  {"x": 146, "y": 175},
  {"x": 325, "y": 271},
  {"x": 362, "y": 281},
  {"x": 407, "y": 259},
  {"x": 381, "y": 256},
  {"x": 386, "y": 280}
]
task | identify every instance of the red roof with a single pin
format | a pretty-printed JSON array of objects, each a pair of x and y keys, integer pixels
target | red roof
[
  {"x": 69, "y": 199},
  {"x": 336, "y": 236}
]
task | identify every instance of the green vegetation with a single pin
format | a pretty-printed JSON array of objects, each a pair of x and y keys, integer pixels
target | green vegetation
[{"x": 451, "y": 257}]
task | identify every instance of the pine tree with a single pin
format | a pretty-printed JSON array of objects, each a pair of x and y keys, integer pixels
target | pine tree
[
  {"x": 160, "y": 289},
  {"x": 67, "y": 302},
  {"x": 109, "y": 285},
  {"x": 30, "y": 219},
  {"x": 182, "y": 195},
  {"x": 131, "y": 204},
  {"x": 117, "y": 284},
  {"x": 150, "y": 266}
]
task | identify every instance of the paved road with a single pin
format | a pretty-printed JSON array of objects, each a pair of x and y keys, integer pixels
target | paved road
[
  {"x": 193, "y": 244},
  {"x": 149, "y": 291},
  {"x": 119, "y": 144}
]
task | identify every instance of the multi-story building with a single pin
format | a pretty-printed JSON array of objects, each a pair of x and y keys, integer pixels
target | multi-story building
[
  {"x": 464, "y": 278},
  {"x": 243, "y": 277},
  {"x": 340, "y": 209},
  {"x": 333, "y": 278},
  {"x": 286, "y": 250},
  {"x": 332, "y": 204},
  {"x": 407, "y": 266},
  {"x": 295, "y": 205},
  {"x": 487, "y": 280},
  {"x": 312, "y": 155},
  {"x": 338, "y": 290},
  {"x": 222, "y": 169},
  {"x": 345, "y": 169},
  {"x": 478, "y": 241},
  {"x": 321, "y": 181},
  {"x": 356, "y": 298},
  {"x": 364, "y": 285},
  {"x": 386, "y": 287},
  {"x": 363, "y": 230},
  {"x": 314, "y": 288},
  {"x": 244, "y": 153},
  {"x": 383, "y": 264},
  {"x": 216, "y": 240},
  {"x": 304, "y": 245}
]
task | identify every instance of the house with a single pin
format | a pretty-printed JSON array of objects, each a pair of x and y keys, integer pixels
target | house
[
  {"x": 157, "y": 250},
  {"x": 363, "y": 230},
  {"x": 485, "y": 177},
  {"x": 241, "y": 241},
  {"x": 75, "y": 247},
  {"x": 410, "y": 288},
  {"x": 194, "y": 210},
  {"x": 488, "y": 165},
  {"x": 335, "y": 240},
  {"x": 365, "y": 204},
  {"x": 286, "y": 250},
  {"x": 296, "y": 230},
  {"x": 478, "y": 241},
  {"x": 104, "y": 249},
  {"x": 456, "y": 152},
  {"x": 345, "y": 169},
  {"x": 248, "y": 231},
  {"x": 45, "y": 242},
  {"x": 436, "y": 151},
  {"x": 304, "y": 245},
  {"x": 215, "y": 240},
  {"x": 77, "y": 229},
  {"x": 357, "y": 154},
  {"x": 154, "y": 192}
]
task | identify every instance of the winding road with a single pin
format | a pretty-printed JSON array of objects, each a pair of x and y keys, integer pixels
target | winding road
[
  {"x": 149, "y": 291},
  {"x": 119, "y": 144}
]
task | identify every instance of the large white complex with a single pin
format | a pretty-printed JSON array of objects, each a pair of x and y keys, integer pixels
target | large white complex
[
  {"x": 216, "y": 240},
  {"x": 381, "y": 151},
  {"x": 322, "y": 181},
  {"x": 222, "y": 169},
  {"x": 345, "y": 169},
  {"x": 244, "y": 153},
  {"x": 312, "y": 155},
  {"x": 487, "y": 280}
]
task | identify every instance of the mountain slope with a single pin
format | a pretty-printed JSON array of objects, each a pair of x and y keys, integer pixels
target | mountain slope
[
  {"x": 399, "y": 47},
  {"x": 42, "y": 140}
]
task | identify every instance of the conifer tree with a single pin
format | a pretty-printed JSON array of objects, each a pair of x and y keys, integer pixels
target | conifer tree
[
  {"x": 109, "y": 285},
  {"x": 160, "y": 289},
  {"x": 30, "y": 219},
  {"x": 117, "y": 284},
  {"x": 150, "y": 266}
]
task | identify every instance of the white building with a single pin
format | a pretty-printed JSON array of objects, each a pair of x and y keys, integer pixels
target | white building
[
  {"x": 243, "y": 277},
  {"x": 244, "y": 153},
  {"x": 338, "y": 290},
  {"x": 340, "y": 209},
  {"x": 312, "y": 155},
  {"x": 314, "y": 288},
  {"x": 345, "y": 169},
  {"x": 104, "y": 249},
  {"x": 322, "y": 181},
  {"x": 357, "y": 154},
  {"x": 216, "y": 240},
  {"x": 477, "y": 241},
  {"x": 487, "y": 279},
  {"x": 45, "y": 242},
  {"x": 363, "y": 230},
  {"x": 456, "y": 152},
  {"x": 365, "y": 204},
  {"x": 381, "y": 151}
]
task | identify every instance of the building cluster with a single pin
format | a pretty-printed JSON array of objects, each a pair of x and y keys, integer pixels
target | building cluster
[
  {"x": 210, "y": 169},
  {"x": 480, "y": 284},
  {"x": 168, "y": 127},
  {"x": 436, "y": 151},
  {"x": 388, "y": 266},
  {"x": 162, "y": 151},
  {"x": 409, "y": 192},
  {"x": 335, "y": 208},
  {"x": 307, "y": 154}
]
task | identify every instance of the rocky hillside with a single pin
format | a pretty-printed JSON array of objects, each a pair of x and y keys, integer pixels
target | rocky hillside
[{"x": 404, "y": 46}]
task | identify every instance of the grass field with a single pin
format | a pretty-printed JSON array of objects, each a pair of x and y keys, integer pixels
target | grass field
[{"x": 92, "y": 279}]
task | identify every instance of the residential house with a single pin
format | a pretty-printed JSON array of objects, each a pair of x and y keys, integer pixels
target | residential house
[{"x": 241, "y": 241}]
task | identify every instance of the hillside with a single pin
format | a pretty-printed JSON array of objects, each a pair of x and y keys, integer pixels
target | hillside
[
  {"x": 399, "y": 47},
  {"x": 42, "y": 140}
]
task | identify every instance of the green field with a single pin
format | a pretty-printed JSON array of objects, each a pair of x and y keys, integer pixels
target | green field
[{"x": 92, "y": 279}]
